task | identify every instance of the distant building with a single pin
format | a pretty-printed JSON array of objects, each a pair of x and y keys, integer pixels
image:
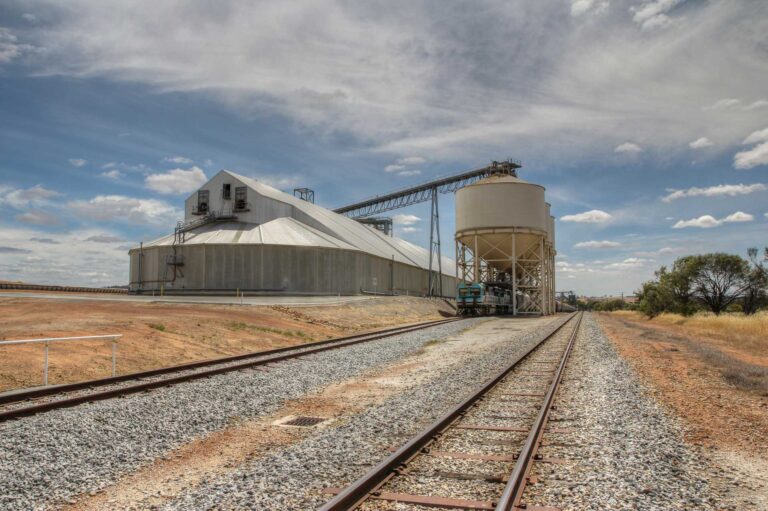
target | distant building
[{"x": 241, "y": 234}]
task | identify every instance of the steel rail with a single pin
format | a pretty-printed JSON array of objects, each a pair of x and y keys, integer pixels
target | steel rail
[
  {"x": 359, "y": 491},
  {"x": 264, "y": 357},
  {"x": 513, "y": 491}
]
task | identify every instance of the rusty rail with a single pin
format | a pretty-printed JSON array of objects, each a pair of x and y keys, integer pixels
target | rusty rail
[
  {"x": 359, "y": 491},
  {"x": 513, "y": 491},
  {"x": 263, "y": 358}
]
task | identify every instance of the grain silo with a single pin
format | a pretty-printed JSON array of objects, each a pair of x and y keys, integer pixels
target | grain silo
[{"x": 505, "y": 239}]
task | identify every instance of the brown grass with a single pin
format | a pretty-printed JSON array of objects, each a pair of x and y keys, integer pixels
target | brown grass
[{"x": 746, "y": 332}]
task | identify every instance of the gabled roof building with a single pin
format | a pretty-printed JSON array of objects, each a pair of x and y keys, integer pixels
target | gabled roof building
[{"x": 241, "y": 234}]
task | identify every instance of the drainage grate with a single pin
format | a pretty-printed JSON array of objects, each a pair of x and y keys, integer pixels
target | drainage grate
[{"x": 304, "y": 421}]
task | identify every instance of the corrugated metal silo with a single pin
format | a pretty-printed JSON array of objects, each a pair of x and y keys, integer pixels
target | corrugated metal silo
[{"x": 505, "y": 236}]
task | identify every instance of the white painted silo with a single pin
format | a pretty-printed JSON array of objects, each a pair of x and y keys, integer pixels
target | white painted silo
[{"x": 504, "y": 236}]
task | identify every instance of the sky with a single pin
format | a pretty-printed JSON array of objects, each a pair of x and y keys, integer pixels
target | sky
[{"x": 646, "y": 120}]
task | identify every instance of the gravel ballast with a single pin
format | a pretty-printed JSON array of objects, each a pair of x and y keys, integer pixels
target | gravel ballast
[
  {"x": 49, "y": 458},
  {"x": 622, "y": 450},
  {"x": 293, "y": 477}
]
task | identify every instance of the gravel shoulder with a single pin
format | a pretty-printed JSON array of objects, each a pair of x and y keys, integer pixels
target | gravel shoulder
[
  {"x": 294, "y": 476},
  {"x": 47, "y": 459},
  {"x": 622, "y": 449},
  {"x": 721, "y": 413},
  {"x": 85, "y": 456}
]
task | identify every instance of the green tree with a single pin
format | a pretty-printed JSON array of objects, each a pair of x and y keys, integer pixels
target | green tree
[
  {"x": 677, "y": 285},
  {"x": 652, "y": 300},
  {"x": 719, "y": 279},
  {"x": 755, "y": 294}
]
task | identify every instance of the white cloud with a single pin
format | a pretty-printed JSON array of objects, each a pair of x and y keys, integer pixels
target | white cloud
[
  {"x": 403, "y": 219},
  {"x": 60, "y": 258},
  {"x": 77, "y": 162},
  {"x": 280, "y": 182},
  {"x": 722, "y": 104},
  {"x": 580, "y": 7},
  {"x": 21, "y": 198},
  {"x": 139, "y": 168},
  {"x": 660, "y": 252},
  {"x": 38, "y": 217},
  {"x": 597, "y": 244},
  {"x": 629, "y": 263},
  {"x": 708, "y": 221},
  {"x": 715, "y": 191},
  {"x": 653, "y": 14},
  {"x": 180, "y": 160},
  {"x": 410, "y": 229},
  {"x": 627, "y": 147},
  {"x": 756, "y": 136},
  {"x": 704, "y": 222},
  {"x": 113, "y": 174},
  {"x": 404, "y": 84},
  {"x": 125, "y": 209},
  {"x": 739, "y": 216},
  {"x": 594, "y": 216},
  {"x": 700, "y": 143},
  {"x": 105, "y": 238},
  {"x": 754, "y": 157},
  {"x": 10, "y": 48},
  {"x": 760, "y": 103},
  {"x": 176, "y": 181},
  {"x": 411, "y": 160},
  {"x": 402, "y": 164}
]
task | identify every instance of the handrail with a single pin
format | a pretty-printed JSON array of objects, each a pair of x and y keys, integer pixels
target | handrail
[
  {"x": 56, "y": 339},
  {"x": 48, "y": 340}
]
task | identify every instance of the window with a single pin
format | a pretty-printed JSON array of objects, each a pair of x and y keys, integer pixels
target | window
[
  {"x": 241, "y": 198},
  {"x": 226, "y": 191},
  {"x": 202, "y": 201}
]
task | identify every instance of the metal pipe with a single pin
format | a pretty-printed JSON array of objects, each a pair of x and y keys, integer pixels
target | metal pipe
[
  {"x": 45, "y": 369},
  {"x": 114, "y": 357}
]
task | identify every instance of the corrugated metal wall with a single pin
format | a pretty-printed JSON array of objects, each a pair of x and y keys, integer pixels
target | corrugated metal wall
[{"x": 276, "y": 269}]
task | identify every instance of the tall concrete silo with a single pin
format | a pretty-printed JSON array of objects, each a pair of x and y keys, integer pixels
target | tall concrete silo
[{"x": 505, "y": 238}]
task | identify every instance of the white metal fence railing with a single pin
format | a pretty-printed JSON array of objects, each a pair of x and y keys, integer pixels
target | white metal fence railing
[{"x": 47, "y": 341}]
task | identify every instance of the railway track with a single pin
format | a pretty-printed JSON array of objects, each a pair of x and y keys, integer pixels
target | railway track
[
  {"x": 480, "y": 454},
  {"x": 14, "y": 405}
]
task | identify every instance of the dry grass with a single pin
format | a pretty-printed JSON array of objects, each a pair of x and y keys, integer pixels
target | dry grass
[{"x": 747, "y": 332}]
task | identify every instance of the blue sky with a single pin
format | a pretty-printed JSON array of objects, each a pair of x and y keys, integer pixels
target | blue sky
[{"x": 646, "y": 120}]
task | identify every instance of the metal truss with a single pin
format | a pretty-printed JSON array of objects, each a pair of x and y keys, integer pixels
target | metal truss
[
  {"x": 424, "y": 192},
  {"x": 428, "y": 192}
]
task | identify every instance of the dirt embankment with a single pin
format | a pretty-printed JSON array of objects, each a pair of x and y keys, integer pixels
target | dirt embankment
[
  {"x": 162, "y": 334},
  {"x": 717, "y": 384}
]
